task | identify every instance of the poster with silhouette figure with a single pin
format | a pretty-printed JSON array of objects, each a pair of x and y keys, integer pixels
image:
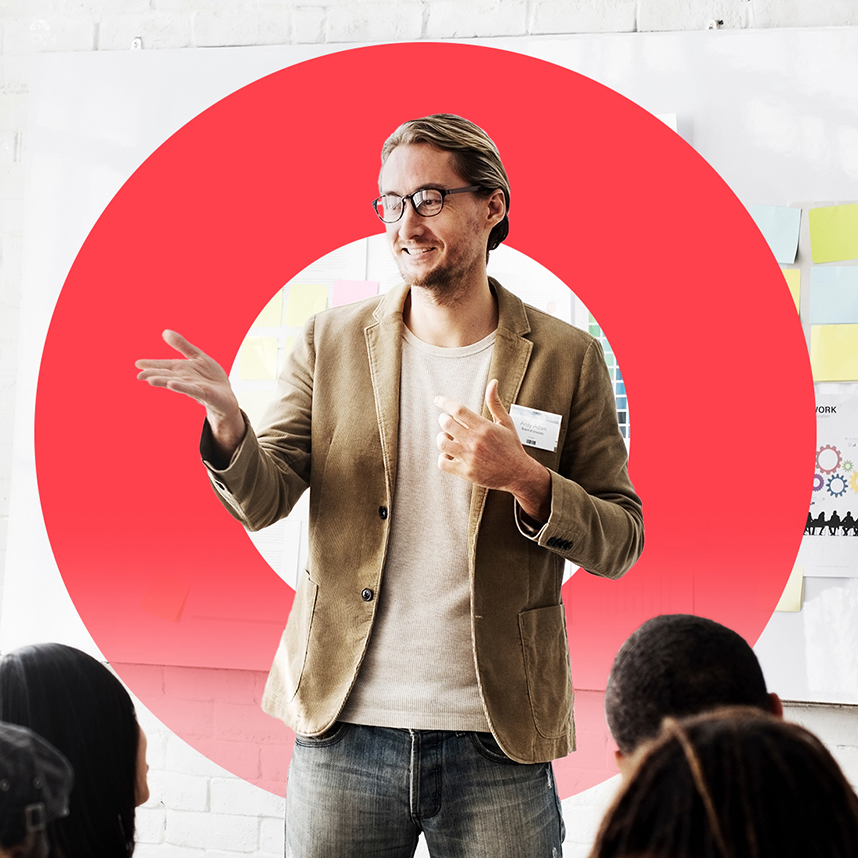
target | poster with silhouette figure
[{"x": 829, "y": 547}]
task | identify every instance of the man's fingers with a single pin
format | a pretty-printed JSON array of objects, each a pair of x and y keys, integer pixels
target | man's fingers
[
  {"x": 155, "y": 378},
  {"x": 448, "y": 424},
  {"x": 446, "y": 443},
  {"x": 463, "y": 416},
  {"x": 170, "y": 382},
  {"x": 149, "y": 365},
  {"x": 495, "y": 406},
  {"x": 176, "y": 341}
]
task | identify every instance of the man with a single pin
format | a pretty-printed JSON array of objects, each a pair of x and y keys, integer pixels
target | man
[
  {"x": 677, "y": 665},
  {"x": 35, "y": 782},
  {"x": 425, "y": 665}
]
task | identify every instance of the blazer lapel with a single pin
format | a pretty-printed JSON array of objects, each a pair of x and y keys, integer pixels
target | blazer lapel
[
  {"x": 510, "y": 357},
  {"x": 384, "y": 352}
]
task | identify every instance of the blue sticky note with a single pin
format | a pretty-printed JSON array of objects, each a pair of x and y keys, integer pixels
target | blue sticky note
[
  {"x": 834, "y": 295},
  {"x": 779, "y": 226}
]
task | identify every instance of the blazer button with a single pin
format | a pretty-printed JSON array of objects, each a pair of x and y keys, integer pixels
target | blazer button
[
  {"x": 382, "y": 512},
  {"x": 366, "y": 594},
  {"x": 552, "y": 542}
]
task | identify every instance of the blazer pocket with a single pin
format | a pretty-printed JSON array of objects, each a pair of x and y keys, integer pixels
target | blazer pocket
[
  {"x": 546, "y": 665},
  {"x": 292, "y": 654}
]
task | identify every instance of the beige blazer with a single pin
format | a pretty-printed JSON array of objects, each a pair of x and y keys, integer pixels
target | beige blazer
[{"x": 333, "y": 428}]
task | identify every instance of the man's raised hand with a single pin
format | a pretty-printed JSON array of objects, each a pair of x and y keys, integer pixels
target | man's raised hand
[
  {"x": 202, "y": 378},
  {"x": 489, "y": 453}
]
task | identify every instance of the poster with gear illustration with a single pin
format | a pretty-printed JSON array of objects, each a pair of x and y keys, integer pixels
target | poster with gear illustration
[{"x": 829, "y": 547}]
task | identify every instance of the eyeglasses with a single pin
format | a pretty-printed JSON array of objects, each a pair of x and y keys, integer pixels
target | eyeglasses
[{"x": 427, "y": 202}]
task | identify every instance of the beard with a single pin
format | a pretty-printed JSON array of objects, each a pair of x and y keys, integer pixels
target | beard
[{"x": 444, "y": 282}]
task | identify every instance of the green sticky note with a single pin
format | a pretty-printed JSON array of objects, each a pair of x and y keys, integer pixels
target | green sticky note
[{"x": 834, "y": 233}]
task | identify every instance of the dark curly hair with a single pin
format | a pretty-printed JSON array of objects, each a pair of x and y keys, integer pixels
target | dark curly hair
[{"x": 678, "y": 665}]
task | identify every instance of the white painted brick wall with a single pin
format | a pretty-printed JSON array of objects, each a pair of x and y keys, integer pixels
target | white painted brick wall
[
  {"x": 196, "y": 807},
  {"x": 25, "y": 35},
  {"x": 799, "y": 13},
  {"x": 587, "y": 16},
  {"x": 308, "y": 25},
  {"x": 682, "y": 15},
  {"x": 450, "y": 19},
  {"x": 262, "y": 26},
  {"x": 383, "y": 22},
  {"x": 157, "y": 30}
]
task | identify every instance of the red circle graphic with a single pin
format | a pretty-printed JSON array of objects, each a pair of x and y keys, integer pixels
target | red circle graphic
[{"x": 217, "y": 219}]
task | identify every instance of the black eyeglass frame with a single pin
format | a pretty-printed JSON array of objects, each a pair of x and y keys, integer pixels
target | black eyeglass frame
[{"x": 445, "y": 192}]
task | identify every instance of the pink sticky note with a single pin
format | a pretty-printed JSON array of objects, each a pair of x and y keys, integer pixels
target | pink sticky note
[{"x": 346, "y": 291}]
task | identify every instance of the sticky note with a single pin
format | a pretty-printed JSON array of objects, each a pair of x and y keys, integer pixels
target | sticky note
[
  {"x": 165, "y": 597},
  {"x": 793, "y": 281},
  {"x": 271, "y": 313},
  {"x": 780, "y": 227},
  {"x": 305, "y": 300},
  {"x": 834, "y": 295},
  {"x": 346, "y": 291},
  {"x": 834, "y": 233},
  {"x": 834, "y": 352},
  {"x": 793, "y": 594},
  {"x": 257, "y": 358}
]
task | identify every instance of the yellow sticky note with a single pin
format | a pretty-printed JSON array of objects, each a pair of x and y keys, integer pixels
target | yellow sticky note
[
  {"x": 834, "y": 233},
  {"x": 257, "y": 358},
  {"x": 305, "y": 299},
  {"x": 793, "y": 281},
  {"x": 834, "y": 352},
  {"x": 271, "y": 313},
  {"x": 793, "y": 594}
]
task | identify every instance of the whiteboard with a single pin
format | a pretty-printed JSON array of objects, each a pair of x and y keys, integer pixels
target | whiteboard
[{"x": 775, "y": 112}]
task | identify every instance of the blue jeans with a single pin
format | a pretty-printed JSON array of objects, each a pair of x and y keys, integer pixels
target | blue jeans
[{"x": 368, "y": 792}]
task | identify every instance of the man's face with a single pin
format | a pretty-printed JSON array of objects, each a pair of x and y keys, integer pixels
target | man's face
[{"x": 439, "y": 253}]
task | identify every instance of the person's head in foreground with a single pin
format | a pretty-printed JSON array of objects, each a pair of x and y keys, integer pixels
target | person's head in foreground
[
  {"x": 676, "y": 665},
  {"x": 81, "y": 708},
  {"x": 35, "y": 782},
  {"x": 733, "y": 783}
]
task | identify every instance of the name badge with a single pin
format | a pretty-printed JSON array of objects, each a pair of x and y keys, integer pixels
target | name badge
[{"x": 535, "y": 428}]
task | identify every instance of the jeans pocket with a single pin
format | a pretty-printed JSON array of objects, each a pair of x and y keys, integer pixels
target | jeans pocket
[
  {"x": 328, "y": 738},
  {"x": 488, "y": 746}
]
